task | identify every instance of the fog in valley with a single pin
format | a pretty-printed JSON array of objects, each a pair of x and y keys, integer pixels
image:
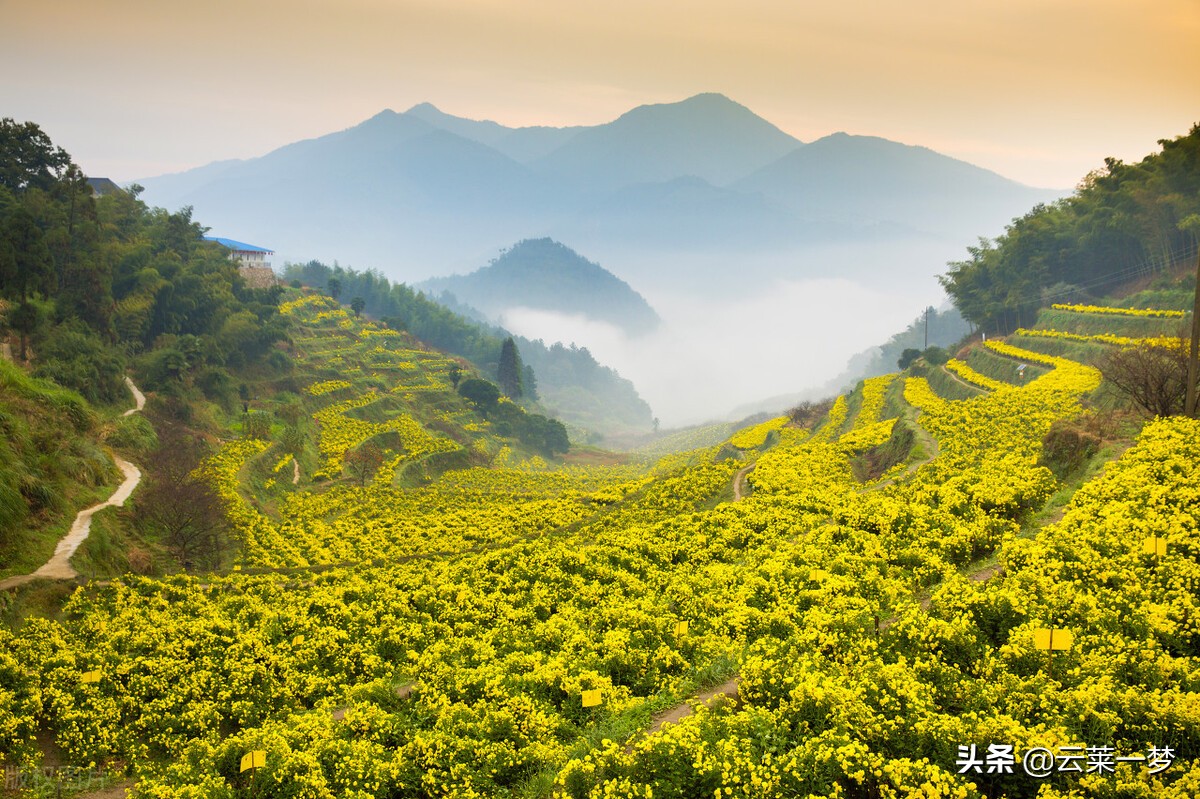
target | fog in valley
[
  {"x": 769, "y": 260},
  {"x": 735, "y": 336}
]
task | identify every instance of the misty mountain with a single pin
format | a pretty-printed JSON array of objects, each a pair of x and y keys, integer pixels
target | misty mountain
[
  {"x": 394, "y": 188},
  {"x": 857, "y": 180},
  {"x": 707, "y": 136},
  {"x": 546, "y": 275},
  {"x": 520, "y": 144},
  {"x": 424, "y": 192}
]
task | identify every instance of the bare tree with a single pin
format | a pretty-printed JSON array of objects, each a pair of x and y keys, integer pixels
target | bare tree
[
  {"x": 808, "y": 413},
  {"x": 180, "y": 507},
  {"x": 1153, "y": 376},
  {"x": 364, "y": 461}
]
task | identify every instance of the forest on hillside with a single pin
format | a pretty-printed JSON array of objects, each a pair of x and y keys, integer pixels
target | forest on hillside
[
  {"x": 92, "y": 288},
  {"x": 568, "y": 380},
  {"x": 94, "y": 285},
  {"x": 1123, "y": 222}
]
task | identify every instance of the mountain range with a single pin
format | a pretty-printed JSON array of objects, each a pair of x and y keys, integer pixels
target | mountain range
[{"x": 425, "y": 193}]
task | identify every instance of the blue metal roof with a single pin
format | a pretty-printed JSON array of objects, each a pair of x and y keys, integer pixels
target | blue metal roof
[{"x": 237, "y": 245}]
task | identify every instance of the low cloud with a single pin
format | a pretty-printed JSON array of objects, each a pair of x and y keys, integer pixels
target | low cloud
[{"x": 710, "y": 356}]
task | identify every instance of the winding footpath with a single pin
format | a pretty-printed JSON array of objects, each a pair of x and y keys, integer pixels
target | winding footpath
[
  {"x": 59, "y": 566},
  {"x": 961, "y": 382},
  {"x": 739, "y": 481}
]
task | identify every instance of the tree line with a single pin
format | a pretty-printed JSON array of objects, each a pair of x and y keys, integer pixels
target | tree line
[
  {"x": 1122, "y": 221},
  {"x": 568, "y": 377},
  {"x": 95, "y": 285}
]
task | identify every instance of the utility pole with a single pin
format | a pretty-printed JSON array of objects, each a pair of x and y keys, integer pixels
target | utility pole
[
  {"x": 928, "y": 308},
  {"x": 1193, "y": 373}
]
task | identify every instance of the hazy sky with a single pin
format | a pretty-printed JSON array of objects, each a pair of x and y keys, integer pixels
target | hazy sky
[{"x": 1038, "y": 90}]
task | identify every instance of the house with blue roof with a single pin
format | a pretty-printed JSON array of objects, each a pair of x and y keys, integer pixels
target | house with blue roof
[
  {"x": 252, "y": 260},
  {"x": 243, "y": 253}
]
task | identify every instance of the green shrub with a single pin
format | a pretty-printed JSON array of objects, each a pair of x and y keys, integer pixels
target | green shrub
[
  {"x": 1066, "y": 447},
  {"x": 134, "y": 433}
]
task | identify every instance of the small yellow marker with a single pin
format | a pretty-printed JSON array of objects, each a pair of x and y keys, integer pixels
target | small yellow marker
[
  {"x": 681, "y": 629},
  {"x": 1052, "y": 640},
  {"x": 297, "y": 640},
  {"x": 1155, "y": 546},
  {"x": 255, "y": 759},
  {"x": 90, "y": 677},
  {"x": 591, "y": 698}
]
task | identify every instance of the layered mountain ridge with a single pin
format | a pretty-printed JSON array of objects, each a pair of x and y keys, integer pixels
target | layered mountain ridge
[{"x": 424, "y": 192}]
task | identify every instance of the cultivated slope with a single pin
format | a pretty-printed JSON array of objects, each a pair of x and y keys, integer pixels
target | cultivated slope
[{"x": 511, "y": 629}]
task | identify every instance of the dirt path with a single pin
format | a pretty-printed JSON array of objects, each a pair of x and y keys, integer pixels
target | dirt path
[
  {"x": 59, "y": 566},
  {"x": 738, "y": 482},
  {"x": 295, "y": 472},
  {"x": 118, "y": 791},
  {"x": 962, "y": 382},
  {"x": 139, "y": 399}
]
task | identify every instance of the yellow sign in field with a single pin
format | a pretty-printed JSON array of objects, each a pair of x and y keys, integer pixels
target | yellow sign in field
[
  {"x": 591, "y": 698},
  {"x": 255, "y": 759},
  {"x": 1155, "y": 546},
  {"x": 1052, "y": 640},
  {"x": 681, "y": 629},
  {"x": 90, "y": 677}
]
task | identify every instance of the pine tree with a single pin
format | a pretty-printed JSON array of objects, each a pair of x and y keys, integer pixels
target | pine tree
[{"x": 509, "y": 373}]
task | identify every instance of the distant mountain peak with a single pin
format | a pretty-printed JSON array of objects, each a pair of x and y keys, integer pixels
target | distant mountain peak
[
  {"x": 709, "y": 104},
  {"x": 707, "y": 136},
  {"x": 386, "y": 113},
  {"x": 546, "y": 274}
]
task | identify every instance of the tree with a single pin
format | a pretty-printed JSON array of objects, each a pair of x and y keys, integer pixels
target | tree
[
  {"x": 554, "y": 436},
  {"x": 529, "y": 383},
  {"x": 935, "y": 356},
  {"x": 256, "y": 425},
  {"x": 509, "y": 372},
  {"x": 334, "y": 287},
  {"x": 480, "y": 393},
  {"x": 808, "y": 412},
  {"x": 364, "y": 461},
  {"x": 907, "y": 357},
  {"x": 180, "y": 506},
  {"x": 357, "y": 304},
  {"x": 25, "y": 266},
  {"x": 28, "y": 159},
  {"x": 1153, "y": 376},
  {"x": 455, "y": 374}
]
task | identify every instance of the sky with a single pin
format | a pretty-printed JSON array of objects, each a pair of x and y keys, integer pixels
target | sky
[{"x": 1040, "y": 91}]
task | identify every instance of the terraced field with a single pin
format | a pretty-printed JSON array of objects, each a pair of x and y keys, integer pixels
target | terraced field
[{"x": 536, "y": 617}]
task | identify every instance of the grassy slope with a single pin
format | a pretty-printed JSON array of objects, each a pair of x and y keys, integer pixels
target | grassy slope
[{"x": 52, "y": 464}]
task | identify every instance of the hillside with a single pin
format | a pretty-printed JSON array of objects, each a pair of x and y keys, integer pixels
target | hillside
[
  {"x": 92, "y": 290},
  {"x": 355, "y": 569},
  {"x": 545, "y": 275},
  {"x": 1125, "y": 223},
  {"x": 446, "y": 621},
  {"x": 592, "y": 398},
  {"x": 52, "y": 462}
]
